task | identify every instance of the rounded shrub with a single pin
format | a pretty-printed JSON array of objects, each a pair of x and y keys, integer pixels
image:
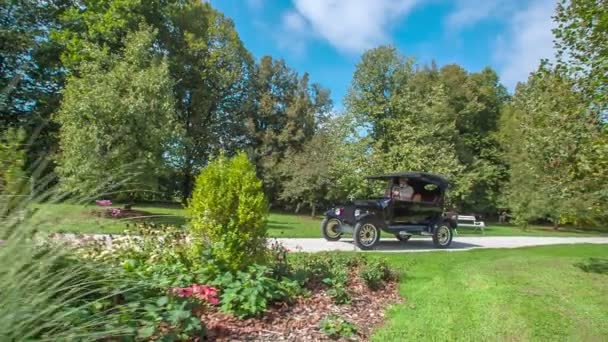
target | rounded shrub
[{"x": 228, "y": 212}]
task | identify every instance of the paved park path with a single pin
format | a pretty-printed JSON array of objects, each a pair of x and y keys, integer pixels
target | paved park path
[
  {"x": 460, "y": 243},
  {"x": 415, "y": 244}
]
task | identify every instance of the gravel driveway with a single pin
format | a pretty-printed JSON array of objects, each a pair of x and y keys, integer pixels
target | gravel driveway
[{"x": 460, "y": 243}]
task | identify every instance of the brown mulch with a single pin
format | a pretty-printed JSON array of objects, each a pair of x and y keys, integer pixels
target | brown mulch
[
  {"x": 300, "y": 320},
  {"x": 124, "y": 213}
]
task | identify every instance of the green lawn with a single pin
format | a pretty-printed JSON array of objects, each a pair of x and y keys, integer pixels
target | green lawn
[
  {"x": 78, "y": 218},
  {"x": 527, "y": 294}
]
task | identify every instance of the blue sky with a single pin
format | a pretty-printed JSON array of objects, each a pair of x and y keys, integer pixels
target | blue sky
[{"x": 326, "y": 37}]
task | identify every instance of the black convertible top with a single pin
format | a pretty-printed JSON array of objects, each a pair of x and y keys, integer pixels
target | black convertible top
[{"x": 424, "y": 176}]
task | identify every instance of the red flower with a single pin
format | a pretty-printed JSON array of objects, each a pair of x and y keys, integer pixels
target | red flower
[{"x": 203, "y": 292}]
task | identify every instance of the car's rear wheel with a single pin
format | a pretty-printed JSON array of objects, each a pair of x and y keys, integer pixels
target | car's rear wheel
[
  {"x": 366, "y": 235},
  {"x": 442, "y": 235},
  {"x": 330, "y": 228}
]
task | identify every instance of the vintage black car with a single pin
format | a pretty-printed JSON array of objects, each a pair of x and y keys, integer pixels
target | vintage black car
[{"x": 413, "y": 204}]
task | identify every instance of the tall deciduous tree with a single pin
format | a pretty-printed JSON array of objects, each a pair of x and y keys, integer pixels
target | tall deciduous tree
[
  {"x": 546, "y": 131},
  {"x": 285, "y": 114},
  {"x": 30, "y": 72},
  {"x": 207, "y": 62},
  {"x": 116, "y": 119},
  {"x": 430, "y": 119},
  {"x": 476, "y": 100}
]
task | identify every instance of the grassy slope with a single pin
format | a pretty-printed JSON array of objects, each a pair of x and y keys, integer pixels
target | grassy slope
[
  {"x": 77, "y": 218},
  {"x": 528, "y": 294}
]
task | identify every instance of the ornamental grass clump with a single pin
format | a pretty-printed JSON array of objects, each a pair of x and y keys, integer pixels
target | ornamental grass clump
[{"x": 228, "y": 212}]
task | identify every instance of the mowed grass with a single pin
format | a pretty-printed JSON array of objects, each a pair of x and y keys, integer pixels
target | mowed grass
[
  {"x": 73, "y": 218},
  {"x": 527, "y": 294},
  {"x": 79, "y": 218}
]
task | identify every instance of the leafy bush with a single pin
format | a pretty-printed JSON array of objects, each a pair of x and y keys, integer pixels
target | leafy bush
[
  {"x": 375, "y": 273},
  {"x": 229, "y": 211},
  {"x": 249, "y": 293},
  {"x": 336, "y": 327}
]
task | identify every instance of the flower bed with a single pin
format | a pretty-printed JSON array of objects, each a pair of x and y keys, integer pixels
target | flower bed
[
  {"x": 303, "y": 319},
  {"x": 286, "y": 297}
]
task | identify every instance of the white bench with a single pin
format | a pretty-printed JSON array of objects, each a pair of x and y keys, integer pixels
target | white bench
[{"x": 470, "y": 221}]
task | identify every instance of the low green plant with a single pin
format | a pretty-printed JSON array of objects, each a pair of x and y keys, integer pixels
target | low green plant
[
  {"x": 375, "y": 273},
  {"x": 169, "y": 318},
  {"x": 337, "y": 327},
  {"x": 248, "y": 293},
  {"x": 143, "y": 244}
]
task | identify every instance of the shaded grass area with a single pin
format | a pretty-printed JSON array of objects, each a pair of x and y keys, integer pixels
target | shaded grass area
[
  {"x": 78, "y": 218},
  {"x": 526, "y": 294}
]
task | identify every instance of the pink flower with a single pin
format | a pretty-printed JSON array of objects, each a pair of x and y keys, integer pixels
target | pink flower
[{"x": 103, "y": 203}]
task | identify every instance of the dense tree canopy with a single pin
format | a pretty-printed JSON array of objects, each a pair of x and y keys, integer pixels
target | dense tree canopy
[
  {"x": 146, "y": 93},
  {"x": 116, "y": 122}
]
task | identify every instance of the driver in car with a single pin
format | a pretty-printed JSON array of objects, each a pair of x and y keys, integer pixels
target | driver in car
[{"x": 403, "y": 191}]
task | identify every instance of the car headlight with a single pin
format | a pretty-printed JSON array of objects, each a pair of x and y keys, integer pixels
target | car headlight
[
  {"x": 357, "y": 212},
  {"x": 338, "y": 211}
]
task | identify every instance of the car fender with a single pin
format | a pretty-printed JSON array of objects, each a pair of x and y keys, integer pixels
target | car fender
[{"x": 372, "y": 217}]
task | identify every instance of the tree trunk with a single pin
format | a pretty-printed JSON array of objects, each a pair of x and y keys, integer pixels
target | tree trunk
[
  {"x": 555, "y": 224},
  {"x": 187, "y": 186},
  {"x": 298, "y": 207},
  {"x": 313, "y": 209}
]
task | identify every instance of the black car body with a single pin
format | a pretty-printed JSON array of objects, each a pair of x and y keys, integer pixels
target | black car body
[{"x": 423, "y": 214}]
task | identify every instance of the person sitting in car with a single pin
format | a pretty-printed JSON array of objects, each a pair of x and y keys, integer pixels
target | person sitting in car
[{"x": 403, "y": 191}]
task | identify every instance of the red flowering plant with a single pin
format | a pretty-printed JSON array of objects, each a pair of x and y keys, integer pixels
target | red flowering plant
[{"x": 204, "y": 293}]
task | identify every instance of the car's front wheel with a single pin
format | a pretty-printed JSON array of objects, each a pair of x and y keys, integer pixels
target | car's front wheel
[
  {"x": 366, "y": 235},
  {"x": 442, "y": 235},
  {"x": 330, "y": 228}
]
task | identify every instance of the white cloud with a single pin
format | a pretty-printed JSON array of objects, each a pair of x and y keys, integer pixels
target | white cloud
[
  {"x": 349, "y": 25},
  {"x": 469, "y": 12},
  {"x": 294, "y": 34},
  {"x": 527, "y": 40}
]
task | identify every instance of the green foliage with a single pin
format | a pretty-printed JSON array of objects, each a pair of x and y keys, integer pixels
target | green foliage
[
  {"x": 308, "y": 173},
  {"x": 547, "y": 133},
  {"x": 331, "y": 269},
  {"x": 13, "y": 179},
  {"x": 375, "y": 273},
  {"x": 31, "y": 76},
  {"x": 337, "y": 327},
  {"x": 581, "y": 39},
  {"x": 248, "y": 293},
  {"x": 177, "y": 319},
  {"x": 287, "y": 111},
  {"x": 144, "y": 246},
  {"x": 208, "y": 66},
  {"x": 114, "y": 123},
  {"x": 228, "y": 211},
  {"x": 426, "y": 119}
]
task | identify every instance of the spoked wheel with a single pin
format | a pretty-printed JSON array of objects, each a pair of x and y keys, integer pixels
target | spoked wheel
[
  {"x": 442, "y": 236},
  {"x": 366, "y": 235},
  {"x": 403, "y": 238},
  {"x": 330, "y": 228}
]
